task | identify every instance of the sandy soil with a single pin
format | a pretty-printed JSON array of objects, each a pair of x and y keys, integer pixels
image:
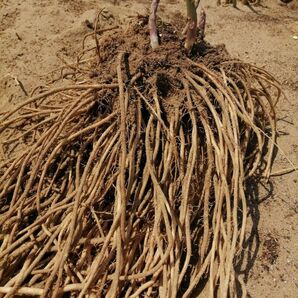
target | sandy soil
[{"x": 35, "y": 33}]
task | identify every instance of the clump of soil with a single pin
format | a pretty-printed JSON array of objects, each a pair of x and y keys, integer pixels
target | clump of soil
[
  {"x": 170, "y": 57},
  {"x": 271, "y": 250}
]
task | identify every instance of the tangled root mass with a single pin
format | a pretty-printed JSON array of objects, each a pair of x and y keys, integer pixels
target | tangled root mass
[{"x": 131, "y": 182}]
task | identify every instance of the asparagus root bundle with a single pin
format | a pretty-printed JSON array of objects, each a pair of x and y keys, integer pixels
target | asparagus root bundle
[{"x": 131, "y": 182}]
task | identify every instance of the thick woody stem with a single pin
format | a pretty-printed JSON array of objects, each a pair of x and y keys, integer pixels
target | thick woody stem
[
  {"x": 152, "y": 24},
  {"x": 192, "y": 24}
]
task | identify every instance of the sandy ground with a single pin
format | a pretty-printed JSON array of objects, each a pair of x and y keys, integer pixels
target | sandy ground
[{"x": 35, "y": 33}]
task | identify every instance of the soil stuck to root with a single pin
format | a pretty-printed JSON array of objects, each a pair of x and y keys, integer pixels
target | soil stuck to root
[{"x": 131, "y": 181}]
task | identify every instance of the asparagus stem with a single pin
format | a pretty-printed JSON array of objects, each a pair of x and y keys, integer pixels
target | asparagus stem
[
  {"x": 152, "y": 24},
  {"x": 202, "y": 23},
  {"x": 192, "y": 23}
]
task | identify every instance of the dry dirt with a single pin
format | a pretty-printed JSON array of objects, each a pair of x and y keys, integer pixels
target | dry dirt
[{"x": 35, "y": 33}]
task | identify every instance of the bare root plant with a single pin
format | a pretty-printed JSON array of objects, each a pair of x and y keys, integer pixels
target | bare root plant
[{"x": 131, "y": 182}]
